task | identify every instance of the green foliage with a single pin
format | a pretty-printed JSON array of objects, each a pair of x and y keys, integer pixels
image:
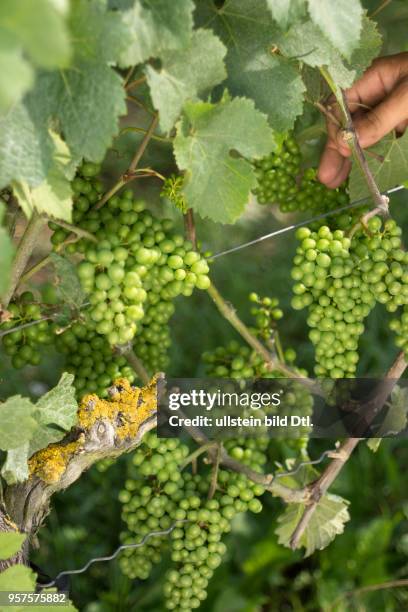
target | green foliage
[
  {"x": 10, "y": 543},
  {"x": 340, "y": 22},
  {"x": 326, "y": 523},
  {"x": 273, "y": 82},
  {"x": 217, "y": 185},
  {"x": 28, "y": 427},
  {"x": 389, "y": 165},
  {"x": 184, "y": 74},
  {"x": 68, "y": 285},
  {"x": 156, "y": 28}
]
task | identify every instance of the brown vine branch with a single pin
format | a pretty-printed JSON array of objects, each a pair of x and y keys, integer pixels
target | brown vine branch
[
  {"x": 130, "y": 173},
  {"x": 189, "y": 227},
  {"x": 322, "y": 484},
  {"x": 215, "y": 468}
]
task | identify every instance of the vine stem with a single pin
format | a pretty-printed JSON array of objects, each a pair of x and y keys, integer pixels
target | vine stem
[
  {"x": 74, "y": 229},
  {"x": 229, "y": 313},
  {"x": 370, "y": 588},
  {"x": 196, "y": 453},
  {"x": 214, "y": 472},
  {"x": 340, "y": 457},
  {"x": 24, "y": 251},
  {"x": 130, "y": 173},
  {"x": 350, "y": 136},
  {"x": 189, "y": 227},
  {"x": 135, "y": 363}
]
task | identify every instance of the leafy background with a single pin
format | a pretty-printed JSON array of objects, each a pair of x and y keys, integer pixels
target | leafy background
[{"x": 258, "y": 574}]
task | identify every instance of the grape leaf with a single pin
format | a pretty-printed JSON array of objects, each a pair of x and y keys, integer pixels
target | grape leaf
[
  {"x": 10, "y": 543},
  {"x": 16, "y": 422},
  {"x": 396, "y": 418},
  {"x": 16, "y": 74},
  {"x": 305, "y": 41},
  {"x": 55, "y": 413},
  {"x": 389, "y": 166},
  {"x": 87, "y": 101},
  {"x": 369, "y": 47},
  {"x": 186, "y": 73},
  {"x": 15, "y": 468},
  {"x": 6, "y": 253},
  {"x": 28, "y": 427},
  {"x": 68, "y": 285},
  {"x": 217, "y": 184},
  {"x": 54, "y": 195},
  {"x": 327, "y": 521},
  {"x": 157, "y": 27},
  {"x": 286, "y": 12},
  {"x": 17, "y": 577},
  {"x": 103, "y": 35},
  {"x": 254, "y": 71},
  {"x": 341, "y": 22},
  {"x": 26, "y": 148},
  {"x": 40, "y": 28}
]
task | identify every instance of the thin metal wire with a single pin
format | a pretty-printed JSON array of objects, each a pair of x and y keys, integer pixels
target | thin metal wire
[
  {"x": 294, "y": 226},
  {"x": 302, "y": 464},
  {"x": 113, "y": 555}
]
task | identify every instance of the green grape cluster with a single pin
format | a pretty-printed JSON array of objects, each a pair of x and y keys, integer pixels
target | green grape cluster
[
  {"x": 23, "y": 345},
  {"x": 136, "y": 255},
  {"x": 282, "y": 180},
  {"x": 266, "y": 313},
  {"x": 340, "y": 280},
  {"x": 159, "y": 494},
  {"x": 90, "y": 357}
]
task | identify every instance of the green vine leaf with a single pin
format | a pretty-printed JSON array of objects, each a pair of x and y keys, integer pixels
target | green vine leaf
[
  {"x": 54, "y": 195},
  {"x": 103, "y": 34},
  {"x": 286, "y": 12},
  {"x": 17, "y": 422},
  {"x": 341, "y": 22},
  {"x": 26, "y": 427},
  {"x": 326, "y": 523},
  {"x": 254, "y": 70},
  {"x": 185, "y": 74},
  {"x": 217, "y": 183},
  {"x": 369, "y": 47},
  {"x": 10, "y": 543},
  {"x": 68, "y": 285},
  {"x": 16, "y": 74},
  {"x": 389, "y": 166},
  {"x": 305, "y": 41},
  {"x": 156, "y": 27}
]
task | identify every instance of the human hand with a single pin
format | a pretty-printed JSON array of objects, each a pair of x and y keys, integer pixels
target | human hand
[{"x": 378, "y": 102}]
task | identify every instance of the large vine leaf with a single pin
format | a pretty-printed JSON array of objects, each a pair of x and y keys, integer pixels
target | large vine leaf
[
  {"x": 286, "y": 12},
  {"x": 389, "y": 166},
  {"x": 39, "y": 27},
  {"x": 17, "y": 423},
  {"x": 185, "y": 74},
  {"x": 341, "y": 22},
  {"x": 26, "y": 148},
  {"x": 26, "y": 427},
  {"x": 157, "y": 27},
  {"x": 217, "y": 183},
  {"x": 6, "y": 253},
  {"x": 54, "y": 195},
  {"x": 305, "y": 41},
  {"x": 68, "y": 285},
  {"x": 254, "y": 70},
  {"x": 369, "y": 47},
  {"x": 10, "y": 543},
  {"x": 103, "y": 34},
  {"x": 55, "y": 413},
  {"x": 16, "y": 74},
  {"x": 325, "y": 524}
]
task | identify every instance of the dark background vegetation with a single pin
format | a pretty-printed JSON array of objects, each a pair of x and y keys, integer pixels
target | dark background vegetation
[{"x": 257, "y": 574}]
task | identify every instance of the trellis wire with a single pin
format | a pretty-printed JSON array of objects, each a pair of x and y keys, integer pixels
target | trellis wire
[
  {"x": 294, "y": 226},
  {"x": 119, "y": 549}
]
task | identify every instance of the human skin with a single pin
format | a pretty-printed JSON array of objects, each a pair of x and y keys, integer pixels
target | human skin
[{"x": 378, "y": 102}]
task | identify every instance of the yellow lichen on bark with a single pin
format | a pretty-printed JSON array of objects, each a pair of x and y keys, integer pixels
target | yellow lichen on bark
[{"x": 127, "y": 409}]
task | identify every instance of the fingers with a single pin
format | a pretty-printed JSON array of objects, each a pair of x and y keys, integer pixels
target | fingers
[
  {"x": 391, "y": 113},
  {"x": 384, "y": 86}
]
